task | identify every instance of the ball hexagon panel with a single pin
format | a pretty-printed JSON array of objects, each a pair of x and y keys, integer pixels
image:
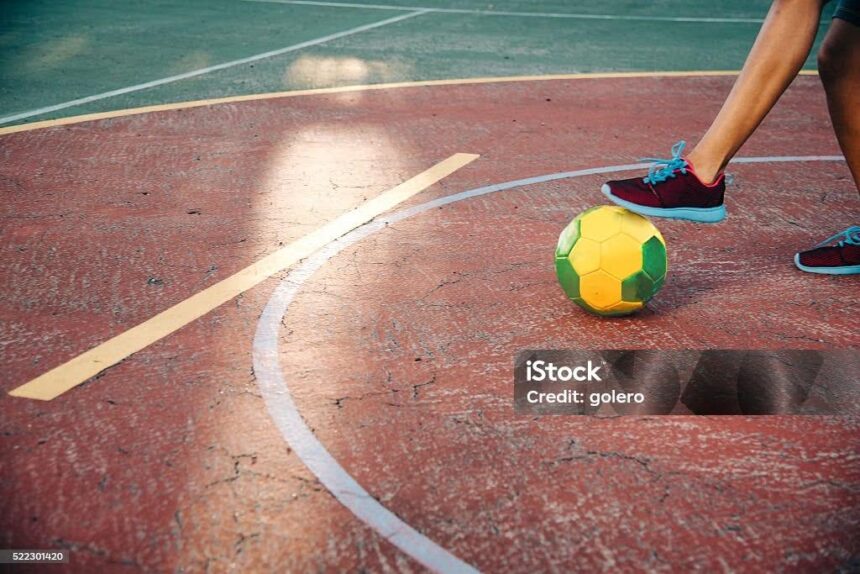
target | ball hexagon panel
[
  {"x": 622, "y": 308},
  {"x": 600, "y": 289},
  {"x": 585, "y": 256},
  {"x": 601, "y": 223},
  {"x": 620, "y": 255},
  {"x": 639, "y": 228}
]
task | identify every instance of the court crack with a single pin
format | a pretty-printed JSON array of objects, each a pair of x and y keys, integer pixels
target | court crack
[
  {"x": 417, "y": 388},
  {"x": 643, "y": 462},
  {"x": 338, "y": 402}
]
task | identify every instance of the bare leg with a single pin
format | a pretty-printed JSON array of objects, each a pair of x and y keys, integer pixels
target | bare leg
[
  {"x": 839, "y": 66},
  {"x": 781, "y": 48}
]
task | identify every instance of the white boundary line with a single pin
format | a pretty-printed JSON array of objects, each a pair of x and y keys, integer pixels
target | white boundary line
[
  {"x": 215, "y": 68},
  {"x": 284, "y": 412},
  {"x": 568, "y": 15}
]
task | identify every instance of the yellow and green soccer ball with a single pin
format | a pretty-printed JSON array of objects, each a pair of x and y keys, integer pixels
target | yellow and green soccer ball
[{"x": 610, "y": 261}]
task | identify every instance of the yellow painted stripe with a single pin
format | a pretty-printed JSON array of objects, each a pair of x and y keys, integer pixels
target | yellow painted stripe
[
  {"x": 346, "y": 89},
  {"x": 83, "y": 367}
]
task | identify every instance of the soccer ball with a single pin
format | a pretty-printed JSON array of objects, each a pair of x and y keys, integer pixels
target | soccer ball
[{"x": 610, "y": 261}]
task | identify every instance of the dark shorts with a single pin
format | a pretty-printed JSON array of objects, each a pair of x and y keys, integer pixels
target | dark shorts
[{"x": 848, "y": 10}]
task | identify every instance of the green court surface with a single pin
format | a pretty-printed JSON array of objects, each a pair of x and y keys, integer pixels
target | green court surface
[{"x": 54, "y": 54}]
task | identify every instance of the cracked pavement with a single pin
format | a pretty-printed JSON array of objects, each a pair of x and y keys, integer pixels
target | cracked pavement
[{"x": 399, "y": 351}]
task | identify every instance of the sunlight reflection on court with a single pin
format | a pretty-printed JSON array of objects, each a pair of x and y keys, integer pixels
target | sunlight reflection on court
[
  {"x": 323, "y": 170},
  {"x": 321, "y": 72}
]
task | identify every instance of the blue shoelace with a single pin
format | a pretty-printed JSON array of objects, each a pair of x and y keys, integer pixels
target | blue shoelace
[
  {"x": 850, "y": 236},
  {"x": 657, "y": 174}
]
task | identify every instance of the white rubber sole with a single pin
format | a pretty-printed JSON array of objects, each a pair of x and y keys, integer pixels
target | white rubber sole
[
  {"x": 698, "y": 214},
  {"x": 841, "y": 270}
]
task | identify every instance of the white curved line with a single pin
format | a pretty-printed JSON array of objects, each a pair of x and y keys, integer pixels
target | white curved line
[{"x": 300, "y": 437}]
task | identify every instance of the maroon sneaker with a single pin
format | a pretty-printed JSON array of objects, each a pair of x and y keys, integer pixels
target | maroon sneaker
[
  {"x": 838, "y": 255},
  {"x": 671, "y": 189}
]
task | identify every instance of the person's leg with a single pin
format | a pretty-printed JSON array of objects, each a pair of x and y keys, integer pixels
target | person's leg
[
  {"x": 691, "y": 187},
  {"x": 839, "y": 67},
  {"x": 781, "y": 48}
]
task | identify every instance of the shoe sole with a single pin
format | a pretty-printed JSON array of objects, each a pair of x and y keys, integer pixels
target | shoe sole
[
  {"x": 698, "y": 214},
  {"x": 841, "y": 270}
]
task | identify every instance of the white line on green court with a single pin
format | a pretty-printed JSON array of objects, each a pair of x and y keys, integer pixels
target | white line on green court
[
  {"x": 571, "y": 15},
  {"x": 201, "y": 71}
]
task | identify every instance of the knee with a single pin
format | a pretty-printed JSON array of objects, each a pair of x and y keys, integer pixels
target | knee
[{"x": 832, "y": 61}]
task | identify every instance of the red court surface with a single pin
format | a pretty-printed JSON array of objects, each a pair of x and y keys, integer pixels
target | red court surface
[{"x": 398, "y": 351}]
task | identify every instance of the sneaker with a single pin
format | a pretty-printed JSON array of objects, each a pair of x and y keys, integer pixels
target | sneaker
[
  {"x": 671, "y": 189},
  {"x": 838, "y": 255}
]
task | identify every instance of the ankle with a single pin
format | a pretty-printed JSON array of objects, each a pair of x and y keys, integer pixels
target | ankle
[{"x": 705, "y": 168}]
